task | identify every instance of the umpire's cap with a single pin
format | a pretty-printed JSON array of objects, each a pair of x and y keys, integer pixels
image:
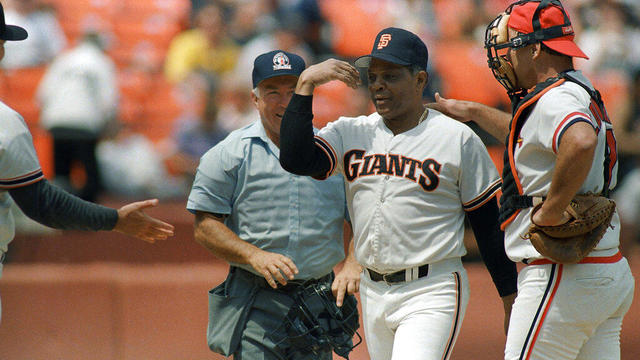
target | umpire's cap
[
  {"x": 10, "y": 32},
  {"x": 276, "y": 63},
  {"x": 397, "y": 46}
]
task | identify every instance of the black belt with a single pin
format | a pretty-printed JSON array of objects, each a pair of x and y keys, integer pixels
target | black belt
[
  {"x": 292, "y": 285},
  {"x": 398, "y": 276}
]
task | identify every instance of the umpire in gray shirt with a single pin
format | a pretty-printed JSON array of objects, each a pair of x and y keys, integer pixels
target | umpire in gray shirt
[{"x": 278, "y": 231}]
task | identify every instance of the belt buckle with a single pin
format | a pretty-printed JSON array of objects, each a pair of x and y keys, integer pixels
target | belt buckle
[{"x": 390, "y": 282}]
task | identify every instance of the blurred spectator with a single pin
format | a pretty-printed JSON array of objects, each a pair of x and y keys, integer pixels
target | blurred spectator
[
  {"x": 627, "y": 198},
  {"x": 195, "y": 135},
  {"x": 284, "y": 35},
  {"x": 149, "y": 176},
  {"x": 248, "y": 20},
  {"x": 627, "y": 194},
  {"x": 236, "y": 108},
  {"x": 610, "y": 38},
  {"x": 46, "y": 38},
  {"x": 314, "y": 32},
  {"x": 206, "y": 48},
  {"x": 416, "y": 16},
  {"x": 78, "y": 97}
]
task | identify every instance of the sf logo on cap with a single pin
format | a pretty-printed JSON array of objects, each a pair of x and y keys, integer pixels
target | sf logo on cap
[
  {"x": 384, "y": 40},
  {"x": 281, "y": 62}
]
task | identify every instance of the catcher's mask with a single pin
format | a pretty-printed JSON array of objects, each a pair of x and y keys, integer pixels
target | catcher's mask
[
  {"x": 497, "y": 42},
  {"x": 316, "y": 324}
]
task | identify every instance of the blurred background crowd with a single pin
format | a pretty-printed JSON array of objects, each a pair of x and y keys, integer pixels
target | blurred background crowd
[{"x": 124, "y": 96}]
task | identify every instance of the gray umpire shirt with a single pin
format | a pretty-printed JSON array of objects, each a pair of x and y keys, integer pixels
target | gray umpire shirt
[{"x": 296, "y": 216}]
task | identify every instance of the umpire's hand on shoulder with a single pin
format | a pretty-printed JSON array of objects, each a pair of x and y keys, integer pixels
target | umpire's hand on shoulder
[
  {"x": 346, "y": 281},
  {"x": 133, "y": 221},
  {"x": 328, "y": 70},
  {"x": 273, "y": 266}
]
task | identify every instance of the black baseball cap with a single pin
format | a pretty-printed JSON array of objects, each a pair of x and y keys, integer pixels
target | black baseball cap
[
  {"x": 276, "y": 63},
  {"x": 10, "y": 32},
  {"x": 397, "y": 46}
]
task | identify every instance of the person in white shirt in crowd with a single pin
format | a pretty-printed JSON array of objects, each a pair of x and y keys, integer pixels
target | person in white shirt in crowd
[
  {"x": 46, "y": 39},
  {"x": 79, "y": 97}
]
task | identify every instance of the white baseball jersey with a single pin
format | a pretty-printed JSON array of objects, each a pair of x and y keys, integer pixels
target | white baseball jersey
[
  {"x": 407, "y": 194},
  {"x": 535, "y": 158},
  {"x": 19, "y": 166}
]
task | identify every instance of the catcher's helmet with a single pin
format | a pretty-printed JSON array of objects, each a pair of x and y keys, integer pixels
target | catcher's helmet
[
  {"x": 316, "y": 324},
  {"x": 554, "y": 28}
]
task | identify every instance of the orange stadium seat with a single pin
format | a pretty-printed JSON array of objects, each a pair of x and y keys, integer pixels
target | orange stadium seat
[
  {"x": 465, "y": 75},
  {"x": 19, "y": 87},
  {"x": 43, "y": 143},
  {"x": 75, "y": 16},
  {"x": 352, "y": 21},
  {"x": 161, "y": 109},
  {"x": 152, "y": 35},
  {"x": 134, "y": 92},
  {"x": 178, "y": 10}
]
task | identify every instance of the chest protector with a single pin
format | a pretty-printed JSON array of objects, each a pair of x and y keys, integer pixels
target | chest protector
[{"x": 513, "y": 199}]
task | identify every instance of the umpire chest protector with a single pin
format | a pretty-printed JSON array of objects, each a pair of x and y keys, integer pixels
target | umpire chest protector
[{"x": 513, "y": 199}]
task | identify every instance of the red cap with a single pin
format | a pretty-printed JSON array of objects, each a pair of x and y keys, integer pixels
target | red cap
[{"x": 521, "y": 20}]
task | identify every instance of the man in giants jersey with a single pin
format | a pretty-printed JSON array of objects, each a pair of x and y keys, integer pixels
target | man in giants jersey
[{"x": 411, "y": 175}]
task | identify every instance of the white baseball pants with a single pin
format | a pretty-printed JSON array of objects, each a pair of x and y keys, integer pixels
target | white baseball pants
[{"x": 419, "y": 319}]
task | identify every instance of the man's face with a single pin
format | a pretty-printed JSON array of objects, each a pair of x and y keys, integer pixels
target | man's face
[
  {"x": 272, "y": 100},
  {"x": 522, "y": 63},
  {"x": 393, "y": 89}
]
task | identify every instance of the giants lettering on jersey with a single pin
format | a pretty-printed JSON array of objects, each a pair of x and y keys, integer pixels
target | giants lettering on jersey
[{"x": 425, "y": 172}]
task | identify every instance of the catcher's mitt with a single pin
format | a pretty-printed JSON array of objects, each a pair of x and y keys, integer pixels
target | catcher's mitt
[
  {"x": 315, "y": 323},
  {"x": 570, "y": 242}
]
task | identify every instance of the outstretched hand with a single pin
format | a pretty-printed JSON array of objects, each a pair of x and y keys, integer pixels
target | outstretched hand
[
  {"x": 133, "y": 221},
  {"x": 328, "y": 70},
  {"x": 457, "y": 109}
]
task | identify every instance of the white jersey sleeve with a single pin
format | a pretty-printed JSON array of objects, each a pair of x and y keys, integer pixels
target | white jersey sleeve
[
  {"x": 479, "y": 179},
  {"x": 565, "y": 106},
  {"x": 19, "y": 165}
]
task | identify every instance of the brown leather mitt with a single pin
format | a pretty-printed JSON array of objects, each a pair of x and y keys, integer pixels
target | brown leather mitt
[{"x": 570, "y": 242}]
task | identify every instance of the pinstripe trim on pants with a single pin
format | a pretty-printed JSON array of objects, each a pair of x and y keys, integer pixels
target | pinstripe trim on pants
[
  {"x": 545, "y": 303},
  {"x": 455, "y": 327}
]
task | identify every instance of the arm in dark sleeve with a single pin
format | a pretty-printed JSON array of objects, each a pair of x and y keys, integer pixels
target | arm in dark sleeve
[
  {"x": 56, "y": 208},
  {"x": 298, "y": 153},
  {"x": 490, "y": 239}
]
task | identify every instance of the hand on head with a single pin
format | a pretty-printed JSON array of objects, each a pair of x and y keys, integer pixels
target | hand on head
[{"x": 325, "y": 72}]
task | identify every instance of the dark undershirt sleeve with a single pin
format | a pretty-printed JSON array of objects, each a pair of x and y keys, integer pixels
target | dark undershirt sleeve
[
  {"x": 490, "y": 239},
  {"x": 56, "y": 208},
  {"x": 298, "y": 153}
]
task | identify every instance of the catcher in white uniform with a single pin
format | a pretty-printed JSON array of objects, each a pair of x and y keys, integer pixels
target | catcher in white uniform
[
  {"x": 22, "y": 181},
  {"x": 411, "y": 176},
  {"x": 560, "y": 143}
]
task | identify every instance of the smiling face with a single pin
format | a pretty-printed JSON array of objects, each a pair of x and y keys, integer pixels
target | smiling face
[
  {"x": 271, "y": 100},
  {"x": 394, "y": 90}
]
